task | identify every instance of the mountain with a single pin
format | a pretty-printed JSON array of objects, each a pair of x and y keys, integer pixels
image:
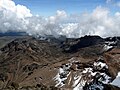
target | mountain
[
  {"x": 13, "y": 34},
  {"x": 7, "y": 37},
  {"x": 86, "y": 63}
]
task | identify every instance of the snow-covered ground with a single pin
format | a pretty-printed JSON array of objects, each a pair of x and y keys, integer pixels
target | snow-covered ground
[
  {"x": 116, "y": 81},
  {"x": 111, "y": 42},
  {"x": 107, "y": 47},
  {"x": 62, "y": 75},
  {"x": 80, "y": 77},
  {"x": 101, "y": 64}
]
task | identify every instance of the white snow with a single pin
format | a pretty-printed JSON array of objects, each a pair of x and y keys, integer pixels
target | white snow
[
  {"x": 87, "y": 70},
  {"x": 94, "y": 86},
  {"x": 109, "y": 43},
  {"x": 79, "y": 83},
  {"x": 107, "y": 47},
  {"x": 58, "y": 80},
  {"x": 79, "y": 80},
  {"x": 101, "y": 64},
  {"x": 107, "y": 78},
  {"x": 116, "y": 81},
  {"x": 63, "y": 71},
  {"x": 78, "y": 87}
]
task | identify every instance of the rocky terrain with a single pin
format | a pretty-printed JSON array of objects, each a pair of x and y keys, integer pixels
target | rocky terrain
[{"x": 86, "y": 63}]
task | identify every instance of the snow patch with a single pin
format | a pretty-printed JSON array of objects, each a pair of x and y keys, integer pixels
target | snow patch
[
  {"x": 62, "y": 75},
  {"x": 111, "y": 43},
  {"x": 107, "y": 47},
  {"x": 116, "y": 81},
  {"x": 81, "y": 77},
  {"x": 96, "y": 86},
  {"x": 101, "y": 64}
]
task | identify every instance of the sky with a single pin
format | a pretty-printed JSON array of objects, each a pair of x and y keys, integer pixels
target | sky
[
  {"x": 49, "y": 7},
  {"x": 72, "y": 18}
]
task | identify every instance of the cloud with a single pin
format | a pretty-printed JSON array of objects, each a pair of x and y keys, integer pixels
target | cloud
[
  {"x": 59, "y": 16},
  {"x": 18, "y": 18},
  {"x": 117, "y": 14},
  {"x": 20, "y": 10},
  {"x": 12, "y": 17}
]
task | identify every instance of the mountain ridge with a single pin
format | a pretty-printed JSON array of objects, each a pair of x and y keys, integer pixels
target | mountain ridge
[{"x": 29, "y": 62}]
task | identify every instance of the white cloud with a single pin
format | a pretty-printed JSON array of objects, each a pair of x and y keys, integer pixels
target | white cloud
[
  {"x": 20, "y": 10},
  {"x": 117, "y": 14},
  {"x": 60, "y": 15},
  {"x": 18, "y": 18}
]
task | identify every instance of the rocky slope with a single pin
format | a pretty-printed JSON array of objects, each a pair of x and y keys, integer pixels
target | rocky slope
[{"x": 86, "y": 63}]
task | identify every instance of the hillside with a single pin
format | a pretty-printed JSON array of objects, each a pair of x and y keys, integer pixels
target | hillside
[{"x": 86, "y": 63}]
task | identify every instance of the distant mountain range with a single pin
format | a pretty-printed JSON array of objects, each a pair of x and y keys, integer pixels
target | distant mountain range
[{"x": 13, "y": 34}]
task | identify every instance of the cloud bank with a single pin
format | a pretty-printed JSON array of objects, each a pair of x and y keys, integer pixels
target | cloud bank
[{"x": 18, "y": 18}]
